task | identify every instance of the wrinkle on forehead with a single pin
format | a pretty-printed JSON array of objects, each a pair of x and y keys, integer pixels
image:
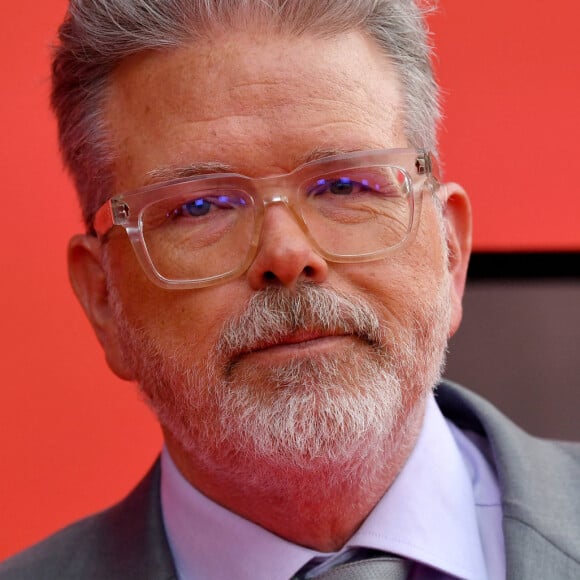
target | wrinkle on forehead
[{"x": 255, "y": 66}]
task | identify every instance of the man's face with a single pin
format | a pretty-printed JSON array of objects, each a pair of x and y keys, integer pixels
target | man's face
[{"x": 298, "y": 361}]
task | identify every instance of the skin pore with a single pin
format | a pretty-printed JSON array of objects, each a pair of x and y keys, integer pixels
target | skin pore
[{"x": 301, "y": 435}]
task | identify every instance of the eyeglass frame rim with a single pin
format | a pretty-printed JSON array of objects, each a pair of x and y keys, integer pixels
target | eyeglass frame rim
[{"x": 109, "y": 214}]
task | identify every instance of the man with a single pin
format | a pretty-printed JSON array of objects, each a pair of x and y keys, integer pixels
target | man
[{"x": 271, "y": 256}]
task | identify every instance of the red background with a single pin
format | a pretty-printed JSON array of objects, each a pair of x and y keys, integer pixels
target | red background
[{"x": 73, "y": 437}]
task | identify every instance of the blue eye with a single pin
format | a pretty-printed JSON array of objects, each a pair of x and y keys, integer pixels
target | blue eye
[
  {"x": 203, "y": 206},
  {"x": 195, "y": 208},
  {"x": 340, "y": 186}
]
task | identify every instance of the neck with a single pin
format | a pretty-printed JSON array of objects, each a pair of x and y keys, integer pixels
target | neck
[{"x": 320, "y": 508}]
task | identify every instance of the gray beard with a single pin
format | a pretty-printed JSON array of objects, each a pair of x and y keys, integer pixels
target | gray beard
[{"x": 335, "y": 415}]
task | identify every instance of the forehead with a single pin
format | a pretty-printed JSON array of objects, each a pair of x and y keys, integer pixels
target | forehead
[{"x": 258, "y": 103}]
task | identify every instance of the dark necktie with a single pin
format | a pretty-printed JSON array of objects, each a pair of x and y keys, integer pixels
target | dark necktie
[{"x": 379, "y": 566}]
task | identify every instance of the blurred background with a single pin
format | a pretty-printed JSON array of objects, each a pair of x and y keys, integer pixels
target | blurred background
[{"x": 74, "y": 439}]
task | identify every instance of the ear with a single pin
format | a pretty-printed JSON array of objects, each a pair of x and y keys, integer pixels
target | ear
[
  {"x": 457, "y": 219},
  {"x": 89, "y": 283}
]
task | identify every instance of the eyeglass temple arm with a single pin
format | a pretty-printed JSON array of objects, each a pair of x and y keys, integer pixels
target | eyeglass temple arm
[
  {"x": 103, "y": 221},
  {"x": 112, "y": 212}
]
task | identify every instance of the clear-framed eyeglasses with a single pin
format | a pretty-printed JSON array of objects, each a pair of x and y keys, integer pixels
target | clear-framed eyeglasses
[{"x": 200, "y": 231}]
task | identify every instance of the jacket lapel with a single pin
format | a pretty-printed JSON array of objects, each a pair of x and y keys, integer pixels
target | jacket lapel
[
  {"x": 540, "y": 484},
  {"x": 138, "y": 547}
]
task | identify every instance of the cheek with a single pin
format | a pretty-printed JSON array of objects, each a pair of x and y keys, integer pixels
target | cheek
[
  {"x": 400, "y": 284},
  {"x": 174, "y": 319}
]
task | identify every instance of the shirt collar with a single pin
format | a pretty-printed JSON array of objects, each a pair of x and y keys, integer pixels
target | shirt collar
[
  {"x": 428, "y": 515},
  {"x": 208, "y": 541}
]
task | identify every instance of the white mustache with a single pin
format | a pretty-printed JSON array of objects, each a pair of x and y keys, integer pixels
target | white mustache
[{"x": 276, "y": 312}]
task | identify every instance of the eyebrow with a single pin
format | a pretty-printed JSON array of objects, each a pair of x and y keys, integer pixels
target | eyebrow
[
  {"x": 319, "y": 153},
  {"x": 170, "y": 172}
]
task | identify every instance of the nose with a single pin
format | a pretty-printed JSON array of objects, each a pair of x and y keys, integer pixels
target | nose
[{"x": 285, "y": 254}]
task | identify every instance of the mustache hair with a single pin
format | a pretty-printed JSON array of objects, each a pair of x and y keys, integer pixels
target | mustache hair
[{"x": 277, "y": 312}]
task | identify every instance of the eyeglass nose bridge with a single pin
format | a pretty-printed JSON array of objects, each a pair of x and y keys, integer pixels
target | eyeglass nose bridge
[{"x": 275, "y": 199}]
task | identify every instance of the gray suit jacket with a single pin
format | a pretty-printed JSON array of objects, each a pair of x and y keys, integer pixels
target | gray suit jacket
[{"x": 540, "y": 483}]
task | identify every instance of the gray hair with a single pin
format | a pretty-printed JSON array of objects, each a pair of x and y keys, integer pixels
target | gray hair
[{"x": 97, "y": 34}]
